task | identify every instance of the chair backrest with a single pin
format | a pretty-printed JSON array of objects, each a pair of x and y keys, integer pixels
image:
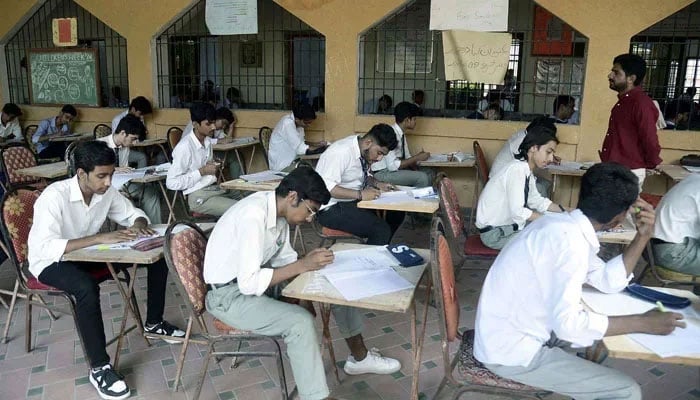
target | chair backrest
[
  {"x": 653, "y": 199},
  {"x": 68, "y": 156},
  {"x": 101, "y": 130},
  {"x": 449, "y": 205},
  {"x": 17, "y": 216},
  {"x": 482, "y": 168},
  {"x": 29, "y": 131},
  {"x": 174, "y": 136},
  {"x": 443, "y": 275},
  {"x": 184, "y": 254},
  {"x": 264, "y": 135},
  {"x": 14, "y": 158}
]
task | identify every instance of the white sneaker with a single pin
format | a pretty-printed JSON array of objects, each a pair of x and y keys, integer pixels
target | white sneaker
[{"x": 374, "y": 363}]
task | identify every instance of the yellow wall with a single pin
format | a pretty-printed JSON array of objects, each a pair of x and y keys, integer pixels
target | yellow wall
[{"x": 342, "y": 21}]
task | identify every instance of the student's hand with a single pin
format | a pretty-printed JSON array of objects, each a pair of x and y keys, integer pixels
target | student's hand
[
  {"x": 661, "y": 323},
  {"x": 423, "y": 155},
  {"x": 141, "y": 230},
  {"x": 370, "y": 194},
  {"x": 123, "y": 235},
  {"x": 386, "y": 186},
  {"x": 644, "y": 217},
  {"x": 123, "y": 169},
  {"x": 211, "y": 168},
  {"x": 317, "y": 259},
  {"x": 534, "y": 216}
]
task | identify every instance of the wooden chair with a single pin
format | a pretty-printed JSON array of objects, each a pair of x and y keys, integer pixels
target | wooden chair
[
  {"x": 29, "y": 131},
  {"x": 482, "y": 177},
  {"x": 18, "y": 157},
  {"x": 471, "y": 374},
  {"x": 174, "y": 136},
  {"x": 101, "y": 130},
  {"x": 264, "y": 135},
  {"x": 184, "y": 254}
]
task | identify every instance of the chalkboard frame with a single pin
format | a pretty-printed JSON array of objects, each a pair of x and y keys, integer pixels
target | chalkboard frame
[{"x": 98, "y": 83}]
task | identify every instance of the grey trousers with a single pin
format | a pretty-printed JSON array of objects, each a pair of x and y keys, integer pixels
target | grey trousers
[
  {"x": 497, "y": 237},
  {"x": 406, "y": 177},
  {"x": 682, "y": 257},
  {"x": 212, "y": 201},
  {"x": 267, "y": 316},
  {"x": 148, "y": 197}
]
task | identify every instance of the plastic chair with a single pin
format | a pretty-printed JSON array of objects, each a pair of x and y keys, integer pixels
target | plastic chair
[
  {"x": 101, "y": 130},
  {"x": 18, "y": 157},
  {"x": 264, "y": 135},
  {"x": 472, "y": 375},
  {"x": 184, "y": 254}
]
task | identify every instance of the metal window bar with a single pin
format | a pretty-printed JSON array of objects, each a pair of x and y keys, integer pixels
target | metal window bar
[
  {"x": 393, "y": 52},
  {"x": 671, "y": 48},
  {"x": 36, "y": 33},
  {"x": 282, "y": 65}
]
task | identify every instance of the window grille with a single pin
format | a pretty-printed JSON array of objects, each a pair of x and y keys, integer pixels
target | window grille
[
  {"x": 36, "y": 33},
  {"x": 671, "y": 48},
  {"x": 400, "y": 55},
  {"x": 282, "y": 65}
]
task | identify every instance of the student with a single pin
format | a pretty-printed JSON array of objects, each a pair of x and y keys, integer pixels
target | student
[
  {"x": 193, "y": 168},
  {"x": 287, "y": 142},
  {"x": 398, "y": 165},
  {"x": 67, "y": 217},
  {"x": 139, "y": 107},
  {"x": 676, "y": 240},
  {"x": 418, "y": 98},
  {"x": 563, "y": 109},
  {"x": 224, "y": 124},
  {"x": 631, "y": 138},
  {"x": 344, "y": 168},
  {"x": 9, "y": 123},
  {"x": 530, "y": 304},
  {"x": 510, "y": 198},
  {"x": 130, "y": 130},
  {"x": 52, "y": 127},
  {"x": 677, "y": 115},
  {"x": 381, "y": 105},
  {"x": 249, "y": 252}
]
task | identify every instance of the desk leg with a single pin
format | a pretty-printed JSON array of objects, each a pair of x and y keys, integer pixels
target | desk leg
[
  {"x": 171, "y": 205},
  {"x": 327, "y": 340},
  {"x": 222, "y": 178},
  {"x": 240, "y": 161},
  {"x": 416, "y": 339},
  {"x": 252, "y": 156},
  {"x": 555, "y": 182},
  {"x": 165, "y": 152},
  {"x": 297, "y": 234}
]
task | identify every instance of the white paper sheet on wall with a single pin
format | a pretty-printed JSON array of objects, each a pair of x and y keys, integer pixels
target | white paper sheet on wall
[
  {"x": 473, "y": 15},
  {"x": 476, "y": 56},
  {"x": 231, "y": 17}
]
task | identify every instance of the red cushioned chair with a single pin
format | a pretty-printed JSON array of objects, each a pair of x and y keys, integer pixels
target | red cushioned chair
[
  {"x": 18, "y": 157},
  {"x": 332, "y": 235}
]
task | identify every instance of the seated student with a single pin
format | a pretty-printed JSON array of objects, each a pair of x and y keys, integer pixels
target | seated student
[
  {"x": 224, "y": 125},
  {"x": 530, "y": 304},
  {"x": 249, "y": 252},
  {"x": 677, "y": 114},
  {"x": 510, "y": 198},
  {"x": 676, "y": 240},
  {"x": 397, "y": 166},
  {"x": 344, "y": 168},
  {"x": 287, "y": 141},
  {"x": 495, "y": 97},
  {"x": 233, "y": 99},
  {"x": 418, "y": 98},
  {"x": 493, "y": 112},
  {"x": 52, "y": 127},
  {"x": 563, "y": 109},
  {"x": 139, "y": 107},
  {"x": 9, "y": 123},
  {"x": 129, "y": 130},
  {"x": 68, "y": 216},
  {"x": 193, "y": 168},
  {"x": 381, "y": 105}
]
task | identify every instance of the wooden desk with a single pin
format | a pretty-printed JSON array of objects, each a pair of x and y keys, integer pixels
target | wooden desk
[
  {"x": 427, "y": 206},
  {"x": 47, "y": 171},
  {"x": 160, "y": 142},
  {"x": 624, "y": 237},
  {"x": 72, "y": 137},
  {"x": 400, "y": 302},
  {"x": 128, "y": 256},
  {"x": 468, "y": 163},
  {"x": 160, "y": 180},
  {"x": 235, "y": 146},
  {"x": 676, "y": 173},
  {"x": 240, "y": 184}
]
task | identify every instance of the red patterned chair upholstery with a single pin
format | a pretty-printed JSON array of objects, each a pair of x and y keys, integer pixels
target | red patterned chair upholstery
[
  {"x": 15, "y": 158},
  {"x": 184, "y": 254}
]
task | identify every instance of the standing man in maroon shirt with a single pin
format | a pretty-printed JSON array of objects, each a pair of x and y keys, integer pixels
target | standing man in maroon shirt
[{"x": 631, "y": 139}]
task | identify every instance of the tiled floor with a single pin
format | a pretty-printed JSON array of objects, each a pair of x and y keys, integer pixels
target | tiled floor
[{"x": 55, "y": 368}]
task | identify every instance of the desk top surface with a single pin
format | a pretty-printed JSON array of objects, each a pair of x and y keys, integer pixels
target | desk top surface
[
  {"x": 393, "y": 302},
  {"x": 468, "y": 163},
  {"x": 72, "y": 137},
  {"x": 427, "y": 206},
  {"x": 235, "y": 145},
  {"x": 49, "y": 171},
  {"x": 149, "y": 142},
  {"x": 675, "y": 172},
  {"x": 240, "y": 184}
]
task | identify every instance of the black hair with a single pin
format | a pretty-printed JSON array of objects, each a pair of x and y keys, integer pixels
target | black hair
[
  {"x": 538, "y": 135},
  {"x": 225, "y": 113},
  {"x": 307, "y": 183},
  {"x": 12, "y": 109},
  {"x": 202, "y": 111},
  {"x": 632, "y": 64},
  {"x": 142, "y": 104},
  {"x": 676, "y": 107},
  {"x": 607, "y": 189},
  {"x": 562, "y": 99},
  {"x": 69, "y": 109},
  {"x": 383, "y": 135},
  {"x": 405, "y": 110},
  {"x": 417, "y": 93},
  {"x": 303, "y": 112},
  {"x": 132, "y": 125},
  {"x": 496, "y": 107},
  {"x": 544, "y": 121},
  {"x": 388, "y": 101},
  {"x": 90, "y": 154}
]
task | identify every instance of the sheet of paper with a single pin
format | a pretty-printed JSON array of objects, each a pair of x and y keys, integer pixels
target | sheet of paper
[
  {"x": 119, "y": 179},
  {"x": 354, "y": 286},
  {"x": 264, "y": 176},
  {"x": 695, "y": 170},
  {"x": 483, "y": 15},
  {"x": 226, "y": 17},
  {"x": 437, "y": 158},
  {"x": 360, "y": 261},
  {"x": 476, "y": 56},
  {"x": 160, "y": 231},
  {"x": 203, "y": 182},
  {"x": 243, "y": 140},
  {"x": 566, "y": 166}
]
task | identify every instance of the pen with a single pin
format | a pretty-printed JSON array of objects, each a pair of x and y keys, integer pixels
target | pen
[
  {"x": 660, "y": 306},
  {"x": 637, "y": 210}
]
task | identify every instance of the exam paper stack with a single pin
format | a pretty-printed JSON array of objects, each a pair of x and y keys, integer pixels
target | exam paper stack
[{"x": 361, "y": 273}]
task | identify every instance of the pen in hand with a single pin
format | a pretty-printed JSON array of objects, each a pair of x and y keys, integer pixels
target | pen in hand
[{"x": 660, "y": 306}]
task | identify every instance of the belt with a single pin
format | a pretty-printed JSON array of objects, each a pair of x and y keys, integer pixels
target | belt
[
  {"x": 657, "y": 241},
  {"x": 489, "y": 227},
  {"x": 221, "y": 285}
]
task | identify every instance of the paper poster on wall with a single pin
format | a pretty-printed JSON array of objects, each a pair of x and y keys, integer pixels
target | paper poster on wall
[
  {"x": 471, "y": 15},
  {"x": 231, "y": 17},
  {"x": 549, "y": 76},
  {"x": 476, "y": 56}
]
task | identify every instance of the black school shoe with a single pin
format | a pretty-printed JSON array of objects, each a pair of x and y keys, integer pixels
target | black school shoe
[{"x": 109, "y": 383}]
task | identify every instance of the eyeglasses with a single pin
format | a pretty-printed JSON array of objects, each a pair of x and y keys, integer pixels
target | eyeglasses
[{"x": 312, "y": 213}]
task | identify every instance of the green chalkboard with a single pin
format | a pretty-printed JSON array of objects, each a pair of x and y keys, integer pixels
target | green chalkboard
[{"x": 64, "y": 76}]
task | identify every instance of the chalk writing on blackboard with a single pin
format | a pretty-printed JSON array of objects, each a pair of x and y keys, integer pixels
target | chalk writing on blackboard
[{"x": 65, "y": 76}]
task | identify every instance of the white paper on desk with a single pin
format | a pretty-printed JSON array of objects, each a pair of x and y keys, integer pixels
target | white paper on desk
[
  {"x": 160, "y": 231},
  {"x": 203, "y": 182},
  {"x": 264, "y": 176},
  {"x": 566, "y": 166},
  {"x": 119, "y": 179},
  {"x": 243, "y": 140},
  {"x": 437, "y": 158},
  {"x": 359, "y": 261},
  {"x": 358, "y": 286},
  {"x": 695, "y": 170}
]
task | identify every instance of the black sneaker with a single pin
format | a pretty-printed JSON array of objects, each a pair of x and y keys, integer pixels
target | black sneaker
[
  {"x": 110, "y": 384},
  {"x": 164, "y": 328}
]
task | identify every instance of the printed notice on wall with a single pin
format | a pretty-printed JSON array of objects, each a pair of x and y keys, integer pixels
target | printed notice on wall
[
  {"x": 232, "y": 17},
  {"x": 471, "y": 15},
  {"x": 476, "y": 56}
]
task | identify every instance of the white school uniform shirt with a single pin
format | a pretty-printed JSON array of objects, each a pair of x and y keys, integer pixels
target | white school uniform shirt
[
  {"x": 340, "y": 165},
  {"x": 47, "y": 127},
  {"x": 506, "y": 155},
  {"x": 60, "y": 215},
  {"x": 11, "y": 128},
  {"x": 502, "y": 202},
  {"x": 678, "y": 215},
  {"x": 118, "y": 118},
  {"x": 534, "y": 288},
  {"x": 286, "y": 143},
  {"x": 123, "y": 150},
  {"x": 188, "y": 157},
  {"x": 392, "y": 161},
  {"x": 248, "y": 241}
]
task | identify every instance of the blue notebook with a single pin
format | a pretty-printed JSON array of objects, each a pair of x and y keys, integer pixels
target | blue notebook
[
  {"x": 651, "y": 295},
  {"x": 405, "y": 255}
]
